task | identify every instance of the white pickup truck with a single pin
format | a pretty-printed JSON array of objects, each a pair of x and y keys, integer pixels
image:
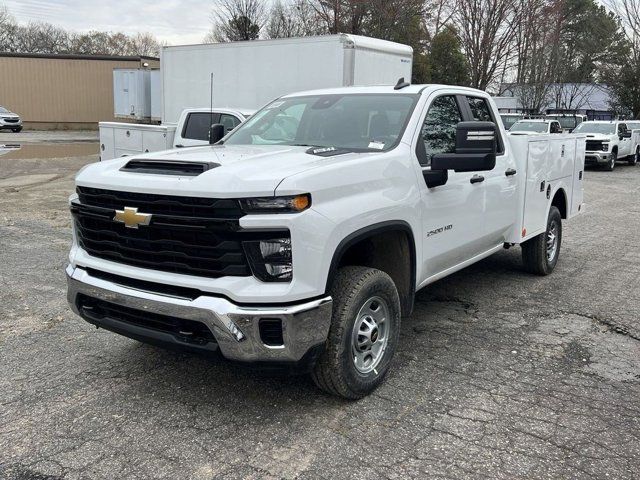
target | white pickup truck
[
  {"x": 301, "y": 237},
  {"x": 119, "y": 139},
  {"x": 608, "y": 142}
]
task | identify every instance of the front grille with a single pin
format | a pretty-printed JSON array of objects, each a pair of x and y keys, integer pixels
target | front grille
[
  {"x": 201, "y": 240},
  {"x": 12, "y": 120},
  {"x": 162, "y": 204},
  {"x": 594, "y": 145},
  {"x": 189, "y": 331}
]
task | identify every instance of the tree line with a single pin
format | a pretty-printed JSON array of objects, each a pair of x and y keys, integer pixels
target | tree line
[
  {"x": 539, "y": 49},
  {"x": 40, "y": 37},
  {"x": 533, "y": 48}
]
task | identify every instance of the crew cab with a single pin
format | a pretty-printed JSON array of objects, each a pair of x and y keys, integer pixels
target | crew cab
[
  {"x": 608, "y": 142},
  {"x": 9, "y": 120},
  {"x": 301, "y": 237},
  {"x": 535, "y": 126},
  {"x": 118, "y": 139}
]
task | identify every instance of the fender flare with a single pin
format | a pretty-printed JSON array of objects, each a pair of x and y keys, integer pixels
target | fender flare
[{"x": 369, "y": 231}]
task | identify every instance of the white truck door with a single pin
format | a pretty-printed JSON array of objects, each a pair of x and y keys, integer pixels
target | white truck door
[
  {"x": 452, "y": 214},
  {"x": 499, "y": 184},
  {"x": 624, "y": 145}
]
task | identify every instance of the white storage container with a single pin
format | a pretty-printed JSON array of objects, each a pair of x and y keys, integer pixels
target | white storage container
[
  {"x": 132, "y": 93},
  {"x": 156, "y": 95}
]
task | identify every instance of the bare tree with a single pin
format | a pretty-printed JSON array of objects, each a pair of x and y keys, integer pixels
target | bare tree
[
  {"x": 145, "y": 44},
  {"x": 295, "y": 19},
  {"x": 236, "y": 20},
  {"x": 485, "y": 30}
]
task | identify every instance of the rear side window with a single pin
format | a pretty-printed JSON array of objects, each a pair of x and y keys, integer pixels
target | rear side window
[
  {"x": 480, "y": 112},
  {"x": 439, "y": 128},
  {"x": 197, "y": 125},
  {"x": 480, "y": 109},
  {"x": 229, "y": 121}
]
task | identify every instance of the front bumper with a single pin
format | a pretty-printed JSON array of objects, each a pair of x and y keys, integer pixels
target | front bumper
[
  {"x": 9, "y": 125},
  {"x": 236, "y": 328},
  {"x": 592, "y": 158}
]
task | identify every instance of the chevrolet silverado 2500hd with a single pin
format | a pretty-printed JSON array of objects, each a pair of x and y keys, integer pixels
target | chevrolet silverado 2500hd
[
  {"x": 302, "y": 236},
  {"x": 608, "y": 142}
]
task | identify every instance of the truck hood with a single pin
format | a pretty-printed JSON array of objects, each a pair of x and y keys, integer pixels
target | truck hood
[
  {"x": 599, "y": 137},
  {"x": 252, "y": 170}
]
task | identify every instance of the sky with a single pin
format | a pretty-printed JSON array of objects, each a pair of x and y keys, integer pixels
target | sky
[{"x": 176, "y": 22}]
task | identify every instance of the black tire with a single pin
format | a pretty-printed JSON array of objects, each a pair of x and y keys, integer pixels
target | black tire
[
  {"x": 16, "y": 130},
  {"x": 612, "y": 161},
  {"x": 353, "y": 289},
  {"x": 633, "y": 159},
  {"x": 535, "y": 253}
]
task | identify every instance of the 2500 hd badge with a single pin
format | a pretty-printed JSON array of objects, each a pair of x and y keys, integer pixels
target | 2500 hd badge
[{"x": 439, "y": 230}]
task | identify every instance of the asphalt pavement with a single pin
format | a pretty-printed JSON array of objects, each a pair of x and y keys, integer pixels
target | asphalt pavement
[{"x": 499, "y": 374}]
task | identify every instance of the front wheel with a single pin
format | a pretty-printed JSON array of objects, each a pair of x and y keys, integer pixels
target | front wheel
[
  {"x": 612, "y": 161},
  {"x": 540, "y": 254},
  {"x": 16, "y": 130},
  {"x": 363, "y": 336},
  {"x": 633, "y": 159}
]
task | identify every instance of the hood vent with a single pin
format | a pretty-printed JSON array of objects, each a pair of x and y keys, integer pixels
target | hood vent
[{"x": 168, "y": 167}]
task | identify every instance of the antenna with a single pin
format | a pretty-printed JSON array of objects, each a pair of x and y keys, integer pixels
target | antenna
[
  {"x": 211, "y": 100},
  {"x": 401, "y": 84}
]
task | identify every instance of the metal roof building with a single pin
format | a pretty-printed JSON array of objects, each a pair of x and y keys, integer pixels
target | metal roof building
[{"x": 62, "y": 91}]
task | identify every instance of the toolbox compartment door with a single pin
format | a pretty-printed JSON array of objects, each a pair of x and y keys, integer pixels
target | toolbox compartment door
[{"x": 535, "y": 196}]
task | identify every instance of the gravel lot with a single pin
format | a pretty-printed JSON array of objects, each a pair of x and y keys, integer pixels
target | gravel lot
[{"x": 499, "y": 374}]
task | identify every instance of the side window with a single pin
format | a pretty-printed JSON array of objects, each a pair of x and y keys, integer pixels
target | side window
[
  {"x": 439, "y": 128},
  {"x": 197, "y": 125},
  {"x": 229, "y": 121},
  {"x": 480, "y": 109},
  {"x": 621, "y": 128},
  {"x": 481, "y": 112}
]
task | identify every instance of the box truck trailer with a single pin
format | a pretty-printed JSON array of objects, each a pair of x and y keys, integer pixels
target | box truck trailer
[{"x": 244, "y": 76}]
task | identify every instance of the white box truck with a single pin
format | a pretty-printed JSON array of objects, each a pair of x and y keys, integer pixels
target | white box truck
[{"x": 247, "y": 75}]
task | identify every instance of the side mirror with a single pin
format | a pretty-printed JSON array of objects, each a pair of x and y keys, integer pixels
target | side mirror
[
  {"x": 216, "y": 132},
  {"x": 626, "y": 134},
  {"x": 476, "y": 147}
]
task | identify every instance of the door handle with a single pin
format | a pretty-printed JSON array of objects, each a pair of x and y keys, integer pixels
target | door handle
[
  {"x": 179, "y": 146},
  {"x": 510, "y": 171},
  {"x": 477, "y": 179}
]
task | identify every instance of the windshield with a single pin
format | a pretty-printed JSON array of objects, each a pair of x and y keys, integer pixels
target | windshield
[
  {"x": 589, "y": 127},
  {"x": 3, "y": 110},
  {"x": 524, "y": 126},
  {"x": 358, "y": 122},
  {"x": 567, "y": 122},
  {"x": 509, "y": 120},
  {"x": 633, "y": 125}
]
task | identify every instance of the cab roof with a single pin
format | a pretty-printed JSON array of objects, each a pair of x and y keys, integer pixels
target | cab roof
[{"x": 411, "y": 89}]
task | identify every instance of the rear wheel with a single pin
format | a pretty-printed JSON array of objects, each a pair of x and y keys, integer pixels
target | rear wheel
[
  {"x": 612, "y": 161},
  {"x": 363, "y": 336},
  {"x": 540, "y": 254},
  {"x": 633, "y": 159}
]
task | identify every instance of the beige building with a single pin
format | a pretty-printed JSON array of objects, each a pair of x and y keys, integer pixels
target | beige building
[{"x": 62, "y": 91}]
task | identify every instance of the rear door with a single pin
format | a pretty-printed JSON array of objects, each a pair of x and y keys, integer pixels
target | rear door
[
  {"x": 452, "y": 214},
  {"x": 499, "y": 183},
  {"x": 624, "y": 147}
]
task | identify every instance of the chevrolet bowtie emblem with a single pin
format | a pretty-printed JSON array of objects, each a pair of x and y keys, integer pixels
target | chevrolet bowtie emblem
[{"x": 131, "y": 218}]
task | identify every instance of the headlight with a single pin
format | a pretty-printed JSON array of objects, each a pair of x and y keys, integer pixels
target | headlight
[
  {"x": 270, "y": 260},
  {"x": 605, "y": 147},
  {"x": 290, "y": 204}
]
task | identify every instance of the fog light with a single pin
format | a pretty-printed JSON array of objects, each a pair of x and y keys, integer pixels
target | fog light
[{"x": 270, "y": 260}]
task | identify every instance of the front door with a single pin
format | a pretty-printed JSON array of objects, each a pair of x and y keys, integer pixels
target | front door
[{"x": 452, "y": 214}]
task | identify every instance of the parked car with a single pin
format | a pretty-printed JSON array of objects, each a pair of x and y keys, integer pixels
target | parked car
[
  {"x": 302, "y": 236},
  {"x": 608, "y": 142},
  {"x": 534, "y": 125},
  {"x": 9, "y": 120}
]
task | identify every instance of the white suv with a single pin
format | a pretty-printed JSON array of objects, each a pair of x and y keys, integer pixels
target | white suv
[{"x": 9, "y": 120}]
